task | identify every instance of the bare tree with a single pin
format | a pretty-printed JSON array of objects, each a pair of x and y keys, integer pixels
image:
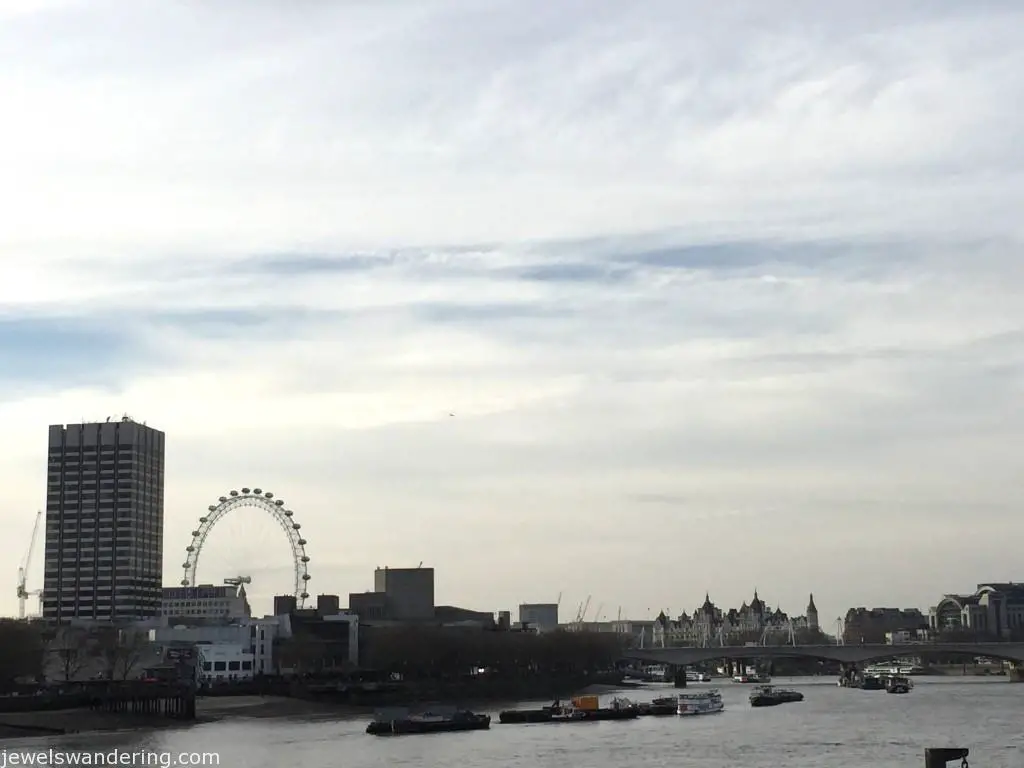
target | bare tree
[
  {"x": 120, "y": 649},
  {"x": 72, "y": 651}
]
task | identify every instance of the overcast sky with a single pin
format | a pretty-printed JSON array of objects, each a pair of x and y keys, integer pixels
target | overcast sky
[{"x": 721, "y": 296}]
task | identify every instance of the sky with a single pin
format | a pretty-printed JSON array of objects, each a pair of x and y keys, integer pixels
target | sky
[{"x": 634, "y": 301}]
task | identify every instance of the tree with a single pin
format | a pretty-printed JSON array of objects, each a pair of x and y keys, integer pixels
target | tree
[
  {"x": 22, "y": 651},
  {"x": 72, "y": 651},
  {"x": 120, "y": 649}
]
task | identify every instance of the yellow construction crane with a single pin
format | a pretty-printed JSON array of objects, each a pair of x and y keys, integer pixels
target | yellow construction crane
[{"x": 23, "y": 593}]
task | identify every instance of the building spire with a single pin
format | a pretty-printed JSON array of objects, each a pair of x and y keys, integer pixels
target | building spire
[{"x": 810, "y": 606}]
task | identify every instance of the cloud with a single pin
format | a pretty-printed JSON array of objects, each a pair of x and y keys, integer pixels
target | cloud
[{"x": 731, "y": 287}]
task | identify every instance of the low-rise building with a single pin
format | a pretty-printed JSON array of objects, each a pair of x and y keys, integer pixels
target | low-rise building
[
  {"x": 255, "y": 635},
  {"x": 908, "y": 636},
  {"x": 541, "y": 617},
  {"x": 206, "y": 601},
  {"x": 223, "y": 662},
  {"x": 870, "y": 625}
]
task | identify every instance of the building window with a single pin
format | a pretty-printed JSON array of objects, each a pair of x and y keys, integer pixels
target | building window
[
  {"x": 234, "y": 666},
  {"x": 219, "y": 666}
]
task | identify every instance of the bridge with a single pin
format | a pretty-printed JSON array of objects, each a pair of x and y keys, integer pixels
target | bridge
[{"x": 844, "y": 654}]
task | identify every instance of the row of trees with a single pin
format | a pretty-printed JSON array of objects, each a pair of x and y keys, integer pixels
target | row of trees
[
  {"x": 449, "y": 652},
  {"x": 32, "y": 651}
]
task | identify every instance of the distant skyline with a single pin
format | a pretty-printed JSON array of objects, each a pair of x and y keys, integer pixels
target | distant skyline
[{"x": 721, "y": 297}]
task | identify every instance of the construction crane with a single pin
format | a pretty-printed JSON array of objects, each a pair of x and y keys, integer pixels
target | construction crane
[
  {"x": 582, "y": 612},
  {"x": 23, "y": 593}
]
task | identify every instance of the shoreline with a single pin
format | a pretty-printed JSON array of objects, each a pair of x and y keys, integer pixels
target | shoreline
[{"x": 209, "y": 709}]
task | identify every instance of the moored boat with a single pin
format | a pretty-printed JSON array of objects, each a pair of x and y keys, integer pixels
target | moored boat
[
  {"x": 581, "y": 708},
  {"x": 664, "y": 705},
  {"x": 753, "y": 678},
  {"x": 702, "y": 703},
  {"x": 397, "y": 722},
  {"x": 771, "y": 696},
  {"x": 693, "y": 676}
]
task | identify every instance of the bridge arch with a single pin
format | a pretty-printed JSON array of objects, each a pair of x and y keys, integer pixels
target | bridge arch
[{"x": 949, "y": 612}]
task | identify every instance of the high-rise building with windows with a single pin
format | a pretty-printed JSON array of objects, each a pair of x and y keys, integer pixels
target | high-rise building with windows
[{"x": 104, "y": 522}]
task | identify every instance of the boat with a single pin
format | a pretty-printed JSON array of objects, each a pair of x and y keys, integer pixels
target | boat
[
  {"x": 752, "y": 678},
  {"x": 867, "y": 682},
  {"x": 771, "y": 696},
  {"x": 581, "y": 708},
  {"x": 871, "y": 683},
  {"x": 541, "y": 715},
  {"x": 664, "y": 705},
  {"x": 693, "y": 676},
  {"x": 898, "y": 684},
  {"x": 703, "y": 703},
  {"x": 398, "y": 722},
  {"x": 619, "y": 709}
]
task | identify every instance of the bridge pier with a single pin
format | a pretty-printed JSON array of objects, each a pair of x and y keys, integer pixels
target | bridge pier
[
  {"x": 678, "y": 676},
  {"x": 1015, "y": 673}
]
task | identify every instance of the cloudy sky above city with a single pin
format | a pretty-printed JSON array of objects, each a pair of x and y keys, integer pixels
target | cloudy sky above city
[{"x": 629, "y": 300}]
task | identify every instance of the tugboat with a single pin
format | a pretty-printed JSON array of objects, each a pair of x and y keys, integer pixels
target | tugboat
[
  {"x": 400, "y": 722},
  {"x": 898, "y": 684},
  {"x": 770, "y": 696},
  {"x": 703, "y": 703}
]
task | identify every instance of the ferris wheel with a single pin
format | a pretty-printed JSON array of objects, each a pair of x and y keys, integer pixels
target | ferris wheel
[{"x": 259, "y": 499}]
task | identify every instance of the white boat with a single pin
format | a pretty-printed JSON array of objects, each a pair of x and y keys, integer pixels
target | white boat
[
  {"x": 697, "y": 677},
  {"x": 703, "y": 703},
  {"x": 657, "y": 673}
]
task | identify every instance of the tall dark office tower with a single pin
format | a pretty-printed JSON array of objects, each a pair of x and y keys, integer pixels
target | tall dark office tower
[{"x": 104, "y": 522}]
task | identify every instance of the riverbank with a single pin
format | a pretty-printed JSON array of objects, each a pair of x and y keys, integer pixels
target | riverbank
[{"x": 209, "y": 709}]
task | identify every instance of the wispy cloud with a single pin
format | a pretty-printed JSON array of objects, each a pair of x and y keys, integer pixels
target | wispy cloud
[{"x": 686, "y": 276}]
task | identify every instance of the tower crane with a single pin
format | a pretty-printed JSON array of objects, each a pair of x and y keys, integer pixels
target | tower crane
[
  {"x": 582, "y": 613},
  {"x": 23, "y": 593}
]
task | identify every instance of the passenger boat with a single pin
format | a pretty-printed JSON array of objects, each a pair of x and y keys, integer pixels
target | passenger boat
[
  {"x": 898, "y": 684},
  {"x": 702, "y": 703},
  {"x": 770, "y": 696},
  {"x": 398, "y": 722},
  {"x": 693, "y": 676}
]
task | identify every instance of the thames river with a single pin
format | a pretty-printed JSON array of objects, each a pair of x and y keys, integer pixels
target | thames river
[{"x": 831, "y": 728}]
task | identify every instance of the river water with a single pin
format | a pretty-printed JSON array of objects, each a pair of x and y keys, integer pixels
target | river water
[{"x": 831, "y": 728}]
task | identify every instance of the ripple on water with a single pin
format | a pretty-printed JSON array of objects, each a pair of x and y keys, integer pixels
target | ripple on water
[{"x": 832, "y": 728}]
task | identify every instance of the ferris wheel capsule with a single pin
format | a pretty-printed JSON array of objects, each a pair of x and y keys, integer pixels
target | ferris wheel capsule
[{"x": 274, "y": 507}]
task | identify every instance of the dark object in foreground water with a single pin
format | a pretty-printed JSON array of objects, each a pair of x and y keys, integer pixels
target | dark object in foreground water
[
  {"x": 770, "y": 696},
  {"x": 428, "y": 722},
  {"x": 940, "y": 757}
]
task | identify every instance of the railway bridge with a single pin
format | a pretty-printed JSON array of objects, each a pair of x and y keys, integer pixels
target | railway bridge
[{"x": 844, "y": 654}]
